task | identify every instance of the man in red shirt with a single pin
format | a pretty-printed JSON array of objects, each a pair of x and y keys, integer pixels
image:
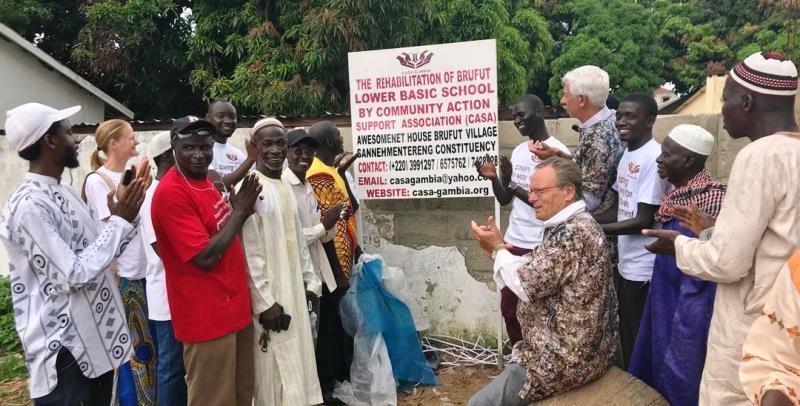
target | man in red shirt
[{"x": 207, "y": 287}]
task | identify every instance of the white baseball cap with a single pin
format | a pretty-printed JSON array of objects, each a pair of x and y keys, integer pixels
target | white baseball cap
[
  {"x": 159, "y": 144},
  {"x": 693, "y": 137},
  {"x": 27, "y": 123}
]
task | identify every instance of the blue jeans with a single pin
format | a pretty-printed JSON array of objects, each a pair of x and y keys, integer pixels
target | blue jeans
[
  {"x": 170, "y": 371},
  {"x": 503, "y": 390}
]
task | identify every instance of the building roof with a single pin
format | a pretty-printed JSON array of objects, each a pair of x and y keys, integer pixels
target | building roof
[{"x": 48, "y": 60}]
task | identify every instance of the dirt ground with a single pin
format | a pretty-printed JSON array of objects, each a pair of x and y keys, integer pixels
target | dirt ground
[
  {"x": 458, "y": 385},
  {"x": 14, "y": 393}
]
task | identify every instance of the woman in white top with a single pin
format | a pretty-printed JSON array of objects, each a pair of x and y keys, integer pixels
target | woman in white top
[{"x": 116, "y": 145}]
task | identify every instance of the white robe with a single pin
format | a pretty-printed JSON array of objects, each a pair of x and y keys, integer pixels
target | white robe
[
  {"x": 757, "y": 230},
  {"x": 279, "y": 264}
]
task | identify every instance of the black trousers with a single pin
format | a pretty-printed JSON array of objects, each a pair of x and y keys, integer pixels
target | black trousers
[
  {"x": 334, "y": 346},
  {"x": 74, "y": 388},
  {"x": 631, "y": 296}
]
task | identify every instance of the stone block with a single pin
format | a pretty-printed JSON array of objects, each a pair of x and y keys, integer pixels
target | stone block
[{"x": 616, "y": 387}]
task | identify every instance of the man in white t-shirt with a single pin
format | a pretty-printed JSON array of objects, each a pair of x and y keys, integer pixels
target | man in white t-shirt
[
  {"x": 640, "y": 190},
  {"x": 170, "y": 371},
  {"x": 228, "y": 161},
  {"x": 524, "y": 230}
]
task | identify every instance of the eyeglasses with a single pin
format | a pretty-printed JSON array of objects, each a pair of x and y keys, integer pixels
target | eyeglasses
[
  {"x": 539, "y": 192},
  {"x": 203, "y": 132}
]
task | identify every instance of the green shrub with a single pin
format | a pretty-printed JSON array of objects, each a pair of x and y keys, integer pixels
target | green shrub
[{"x": 9, "y": 340}]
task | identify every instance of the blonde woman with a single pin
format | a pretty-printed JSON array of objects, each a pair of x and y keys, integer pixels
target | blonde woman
[{"x": 116, "y": 145}]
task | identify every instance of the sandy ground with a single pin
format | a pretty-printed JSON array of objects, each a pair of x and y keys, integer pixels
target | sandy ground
[
  {"x": 14, "y": 393},
  {"x": 458, "y": 384}
]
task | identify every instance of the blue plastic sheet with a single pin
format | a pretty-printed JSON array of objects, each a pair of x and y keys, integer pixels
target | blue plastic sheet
[{"x": 383, "y": 313}]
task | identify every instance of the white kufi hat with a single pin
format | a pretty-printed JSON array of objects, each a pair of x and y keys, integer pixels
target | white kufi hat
[{"x": 693, "y": 137}]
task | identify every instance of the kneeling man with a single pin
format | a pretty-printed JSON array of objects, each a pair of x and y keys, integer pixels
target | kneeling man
[{"x": 568, "y": 309}]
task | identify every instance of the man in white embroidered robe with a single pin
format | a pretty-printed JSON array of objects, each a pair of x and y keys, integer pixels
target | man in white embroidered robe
[{"x": 280, "y": 266}]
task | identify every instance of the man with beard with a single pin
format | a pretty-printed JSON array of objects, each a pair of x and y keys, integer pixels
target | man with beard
[
  {"x": 640, "y": 189},
  {"x": 671, "y": 345},
  {"x": 758, "y": 227},
  {"x": 67, "y": 306},
  {"x": 283, "y": 276},
  {"x": 524, "y": 230},
  {"x": 207, "y": 283},
  {"x": 229, "y": 162}
]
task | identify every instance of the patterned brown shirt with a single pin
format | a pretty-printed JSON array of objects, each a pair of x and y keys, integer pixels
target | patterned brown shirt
[
  {"x": 569, "y": 327},
  {"x": 597, "y": 155}
]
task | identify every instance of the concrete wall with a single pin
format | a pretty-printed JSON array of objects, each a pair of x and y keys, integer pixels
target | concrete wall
[
  {"x": 24, "y": 79},
  {"x": 429, "y": 239}
]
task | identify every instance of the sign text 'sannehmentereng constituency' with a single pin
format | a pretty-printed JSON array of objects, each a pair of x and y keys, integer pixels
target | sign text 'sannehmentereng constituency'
[{"x": 420, "y": 117}]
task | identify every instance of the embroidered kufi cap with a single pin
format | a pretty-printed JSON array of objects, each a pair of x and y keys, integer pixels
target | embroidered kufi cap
[
  {"x": 693, "y": 137},
  {"x": 767, "y": 73}
]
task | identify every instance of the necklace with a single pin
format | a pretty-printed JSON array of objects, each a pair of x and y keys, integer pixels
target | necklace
[{"x": 225, "y": 194}]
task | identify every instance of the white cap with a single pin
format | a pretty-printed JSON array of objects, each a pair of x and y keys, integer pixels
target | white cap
[
  {"x": 265, "y": 122},
  {"x": 159, "y": 144},
  {"x": 693, "y": 137},
  {"x": 27, "y": 123}
]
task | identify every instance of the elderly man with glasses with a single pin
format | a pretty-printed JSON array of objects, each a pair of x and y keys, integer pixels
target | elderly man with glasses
[{"x": 567, "y": 307}]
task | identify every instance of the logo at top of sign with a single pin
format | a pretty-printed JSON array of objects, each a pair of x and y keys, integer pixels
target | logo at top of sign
[{"x": 415, "y": 61}]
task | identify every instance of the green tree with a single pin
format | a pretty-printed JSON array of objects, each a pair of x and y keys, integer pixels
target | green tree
[
  {"x": 136, "y": 51},
  {"x": 616, "y": 35},
  {"x": 52, "y": 25},
  {"x": 290, "y": 57}
]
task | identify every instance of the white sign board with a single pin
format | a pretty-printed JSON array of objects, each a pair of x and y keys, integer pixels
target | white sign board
[{"x": 420, "y": 117}]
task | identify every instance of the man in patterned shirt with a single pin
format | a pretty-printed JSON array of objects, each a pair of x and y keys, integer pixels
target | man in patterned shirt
[
  {"x": 585, "y": 94},
  {"x": 334, "y": 346},
  {"x": 67, "y": 308},
  {"x": 567, "y": 304}
]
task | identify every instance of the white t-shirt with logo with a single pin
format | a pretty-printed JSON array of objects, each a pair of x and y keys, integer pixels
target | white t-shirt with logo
[
  {"x": 157, "y": 304},
  {"x": 130, "y": 264},
  {"x": 227, "y": 158},
  {"x": 638, "y": 182},
  {"x": 524, "y": 229}
]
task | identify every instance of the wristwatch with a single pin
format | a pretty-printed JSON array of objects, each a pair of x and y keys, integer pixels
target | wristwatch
[
  {"x": 497, "y": 249},
  {"x": 513, "y": 187}
]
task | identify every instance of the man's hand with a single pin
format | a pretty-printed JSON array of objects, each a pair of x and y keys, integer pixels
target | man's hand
[
  {"x": 250, "y": 148},
  {"x": 665, "y": 243},
  {"x": 342, "y": 283},
  {"x": 245, "y": 199},
  {"x": 692, "y": 218},
  {"x": 332, "y": 216},
  {"x": 775, "y": 397},
  {"x": 505, "y": 171},
  {"x": 488, "y": 236},
  {"x": 544, "y": 151},
  {"x": 129, "y": 204},
  {"x": 343, "y": 163},
  {"x": 142, "y": 173},
  {"x": 486, "y": 168},
  {"x": 314, "y": 299},
  {"x": 270, "y": 319}
]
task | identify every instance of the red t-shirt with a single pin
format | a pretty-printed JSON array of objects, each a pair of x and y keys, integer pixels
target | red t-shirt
[{"x": 204, "y": 304}]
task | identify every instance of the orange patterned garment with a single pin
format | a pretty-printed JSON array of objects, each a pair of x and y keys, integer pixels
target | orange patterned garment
[
  {"x": 330, "y": 189},
  {"x": 771, "y": 352}
]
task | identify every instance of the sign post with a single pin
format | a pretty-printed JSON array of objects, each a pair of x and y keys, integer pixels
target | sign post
[{"x": 420, "y": 117}]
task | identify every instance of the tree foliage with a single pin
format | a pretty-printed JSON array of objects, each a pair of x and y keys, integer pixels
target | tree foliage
[
  {"x": 291, "y": 56},
  {"x": 161, "y": 57},
  {"x": 134, "y": 50}
]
